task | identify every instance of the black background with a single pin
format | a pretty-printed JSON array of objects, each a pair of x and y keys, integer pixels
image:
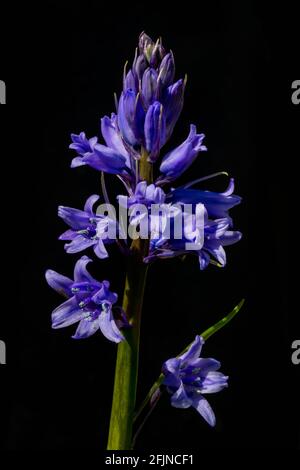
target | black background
[{"x": 61, "y": 64}]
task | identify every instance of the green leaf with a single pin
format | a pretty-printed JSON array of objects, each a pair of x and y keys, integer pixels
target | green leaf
[{"x": 220, "y": 324}]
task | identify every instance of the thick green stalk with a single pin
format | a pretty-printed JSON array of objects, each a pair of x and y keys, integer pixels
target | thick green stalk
[{"x": 126, "y": 373}]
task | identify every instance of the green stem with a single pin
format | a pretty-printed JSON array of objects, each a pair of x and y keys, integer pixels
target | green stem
[
  {"x": 120, "y": 430},
  {"x": 126, "y": 373}
]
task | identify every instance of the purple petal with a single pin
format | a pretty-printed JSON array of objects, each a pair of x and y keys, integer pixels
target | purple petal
[
  {"x": 77, "y": 161},
  {"x": 104, "y": 294},
  {"x": 100, "y": 250},
  {"x": 139, "y": 66},
  {"x": 206, "y": 365},
  {"x": 193, "y": 352},
  {"x": 149, "y": 86},
  {"x": 88, "y": 207},
  {"x": 81, "y": 144},
  {"x": 59, "y": 283},
  {"x": 68, "y": 235},
  {"x": 217, "y": 251},
  {"x": 214, "y": 382},
  {"x": 108, "y": 326},
  {"x": 205, "y": 410},
  {"x": 167, "y": 70},
  {"x": 80, "y": 272},
  {"x": 230, "y": 189},
  {"x": 129, "y": 81},
  {"x": 112, "y": 137},
  {"x": 141, "y": 189},
  {"x": 155, "y": 130},
  {"x": 171, "y": 369},
  {"x": 230, "y": 237},
  {"x": 180, "y": 399},
  {"x": 173, "y": 104},
  {"x": 131, "y": 117},
  {"x": 203, "y": 259},
  {"x": 217, "y": 204},
  {"x": 66, "y": 314},
  {"x": 75, "y": 218},
  {"x": 217, "y": 228},
  {"x": 106, "y": 159},
  {"x": 179, "y": 159},
  {"x": 145, "y": 43},
  {"x": 85, "y": 329},
  {"x": 79, "y": 243}
]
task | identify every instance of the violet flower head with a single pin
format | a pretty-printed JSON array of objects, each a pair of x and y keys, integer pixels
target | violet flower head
[
  {"x": 150, "y": 103},
  {"x": 90, "y": 303},
  {"x": 147, "y": 111},
  {"x": 189, "y": 377},
  {"x": 87, "y": 229}
]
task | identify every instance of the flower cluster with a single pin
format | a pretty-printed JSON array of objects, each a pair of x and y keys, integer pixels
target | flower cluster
[{"x": 147, "y": 111}]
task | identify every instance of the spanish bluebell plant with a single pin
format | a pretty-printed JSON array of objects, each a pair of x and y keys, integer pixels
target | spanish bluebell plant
[{"x": 165, "y": 221}]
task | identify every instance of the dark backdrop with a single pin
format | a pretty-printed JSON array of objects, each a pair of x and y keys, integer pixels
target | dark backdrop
[{"x": 62, "y": 64}]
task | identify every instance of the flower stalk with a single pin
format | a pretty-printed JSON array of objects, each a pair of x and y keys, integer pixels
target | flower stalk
[
  {"x": 147, "y": 111},
  {"x": 126, "y": 372}
]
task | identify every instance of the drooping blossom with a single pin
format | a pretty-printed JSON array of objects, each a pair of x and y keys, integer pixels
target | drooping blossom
[
  {"x": 90, "y": 302},
  {"x": 189, "y": 377}
]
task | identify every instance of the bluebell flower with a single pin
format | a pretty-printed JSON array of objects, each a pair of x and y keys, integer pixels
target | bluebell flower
[
  {"x": 149, "y": 81},
  {"x": 96, "y": 155},
  {"x": 87, "y": 228},
  {"x": 209, "y": 246},
  {"x": 179, "y": 159},
  {"x": 147, "y": 111},
  {"x": 141, "y": 201},
  {"x": 172, "y": 101},
  {"x": 130, "y": 81},
  {"x": 166, "y": 71},
  {"x": 90, "y": 303},
  {"x": 131, "y": 117},
  {"x": 82, "y": 144},
  {"x": 150, "y": 89},
  {"x": 189, "y": 377},
  {"x": 153, "y": 52},
  {"x": 144, "y": 194},
  {"x": 140, "y": 64},
  {"x": 155, "y": 130},
  {"x": 217, "y": 235},
  {"x": 216, "y": 204},
  {"x": 112, "y": 137}
]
